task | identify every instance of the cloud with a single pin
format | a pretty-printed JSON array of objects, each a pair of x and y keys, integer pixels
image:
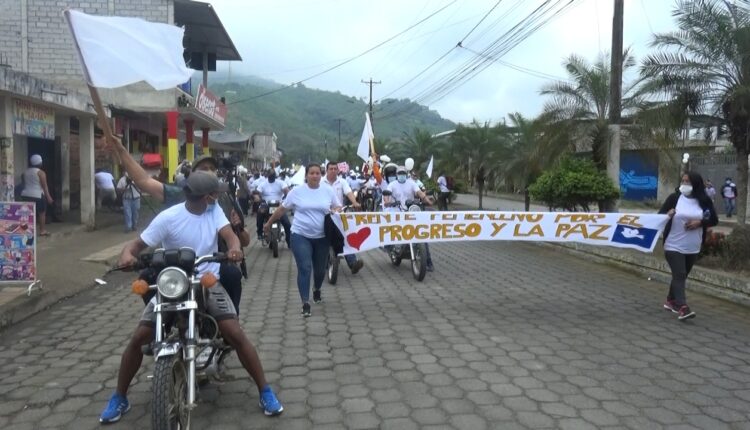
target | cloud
[{"x": 287, "y": 41}]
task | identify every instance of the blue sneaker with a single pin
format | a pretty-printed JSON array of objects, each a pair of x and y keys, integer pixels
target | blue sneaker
[
  {"x": 117, "y": 407},
  {"x": 269, "y": 403}
]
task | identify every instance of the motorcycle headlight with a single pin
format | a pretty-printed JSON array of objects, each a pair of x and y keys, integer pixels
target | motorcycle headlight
[
  {"x": 415, "y": 208},
  {"x": 172, "y": 282}
]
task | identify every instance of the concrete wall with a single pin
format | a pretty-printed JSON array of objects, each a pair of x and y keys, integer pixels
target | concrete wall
[{"x": 38, "y": 29}]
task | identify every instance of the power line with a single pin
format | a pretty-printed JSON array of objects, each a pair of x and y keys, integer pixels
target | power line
[{"x": 346, "y": 61}]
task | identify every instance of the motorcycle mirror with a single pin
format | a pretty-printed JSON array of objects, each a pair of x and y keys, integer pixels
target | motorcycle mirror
[{"x": 409, "y": 164}]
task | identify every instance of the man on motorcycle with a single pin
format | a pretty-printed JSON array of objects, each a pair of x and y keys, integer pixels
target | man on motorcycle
[
  {"x": 231, "y": 275},
  {"x": 274, "y": 189},
  {"x": 195, "y": 224},
  {"x": 404, "y": 189},
  {"x": 340, "y": 189}
]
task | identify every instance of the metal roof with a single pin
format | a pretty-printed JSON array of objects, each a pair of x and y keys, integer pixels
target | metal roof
[{"x": 204, "y": 30}]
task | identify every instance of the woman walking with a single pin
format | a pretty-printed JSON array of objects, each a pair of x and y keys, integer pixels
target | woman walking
[
  {"x": 35, "y": 190},
  {"x": 691, "y": 212},
  {"x": 311, "y": 202}
]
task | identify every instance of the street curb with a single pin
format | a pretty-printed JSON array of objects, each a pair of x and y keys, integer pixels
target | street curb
[{"x": 706, "y": 281}]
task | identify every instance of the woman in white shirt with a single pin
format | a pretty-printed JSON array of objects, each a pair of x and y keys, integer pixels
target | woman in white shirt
[
  {"x": 35, "y": 190},
  {"x": 311, "y": 202},
  {"x": 691, "y": 212}
]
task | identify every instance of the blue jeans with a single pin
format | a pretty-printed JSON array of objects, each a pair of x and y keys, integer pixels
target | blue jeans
[
  {"x": 350, "y": 259},
  {"x": 311, "y": 256},
  {"x": 131, "y": 207},
  {"x": 729, "y": 206}
]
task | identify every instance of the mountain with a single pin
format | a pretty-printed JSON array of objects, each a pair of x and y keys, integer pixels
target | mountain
[{"x": 306, "y": 120}]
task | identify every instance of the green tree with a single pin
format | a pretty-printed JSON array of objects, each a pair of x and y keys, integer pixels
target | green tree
[
  {"x": 478, "y": 149},
  {"x": 709, "y": 57},
  {"x": 573, "y": 185},
  {"x": 526, "y": 157},
  {"x": 579, "y": 108}
]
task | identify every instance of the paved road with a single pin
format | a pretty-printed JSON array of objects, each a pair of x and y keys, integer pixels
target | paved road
[{"x": 501, "y": 336}]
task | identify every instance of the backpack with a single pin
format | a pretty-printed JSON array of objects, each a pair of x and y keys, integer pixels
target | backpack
[{"x": 449, "y": 182}]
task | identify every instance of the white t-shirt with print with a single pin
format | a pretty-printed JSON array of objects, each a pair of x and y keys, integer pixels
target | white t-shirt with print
[
  {"x": 310, "y": 208},
  {"x": 272, "y": 190},
  {"x": 682, "y": 240},
  {"x": 176, "y": 227},
  {"x": 403, "y": 192},
  {"x": 340, "y": 189}
]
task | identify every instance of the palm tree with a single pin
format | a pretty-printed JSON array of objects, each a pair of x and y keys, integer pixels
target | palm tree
[
  {"x": 527, "y": 157},
  {"x": 580, "y": 107},
  {"x": 478, "y": 147},
  {"x": 709, "y": 56},
  {"x": 419, "y": 145}
]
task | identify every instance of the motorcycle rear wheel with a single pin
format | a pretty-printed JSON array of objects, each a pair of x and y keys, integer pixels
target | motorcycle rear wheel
[
  {"x": 332, "y": 267},
  {"x": 169, "y": 410},
  {"x": 419, "y": 262}
]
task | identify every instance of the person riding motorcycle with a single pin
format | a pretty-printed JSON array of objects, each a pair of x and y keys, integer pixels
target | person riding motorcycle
[
  {"x": 402, "y": 190},
  {"x": 274, "y": 189},
  {"x": 198, "y": 225}
]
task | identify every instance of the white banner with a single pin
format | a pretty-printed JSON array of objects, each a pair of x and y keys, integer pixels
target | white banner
[{"x": 368, "y": 230}]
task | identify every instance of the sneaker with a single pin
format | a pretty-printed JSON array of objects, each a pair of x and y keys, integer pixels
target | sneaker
[
  {"x": 260, "y": 236},
  {"x": 357, "y": 266},
  {"x": 306, "y": 310},
  {"x": 269, "y": 403},
  {"x": 685, "y": 313},
  {"x": 117, "y": 407},
  {"x": 317, "y": 296},
  {"x": 670, "y": 305}
]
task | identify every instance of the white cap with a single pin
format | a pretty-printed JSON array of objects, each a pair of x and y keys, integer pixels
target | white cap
[{"x": 36, "y": 160}]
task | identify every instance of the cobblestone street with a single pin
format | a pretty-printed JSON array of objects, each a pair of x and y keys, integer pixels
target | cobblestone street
[{"x": 500, "y": 336}]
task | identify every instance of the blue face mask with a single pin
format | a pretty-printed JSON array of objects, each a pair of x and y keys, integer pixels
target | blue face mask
[
  {"x": 211, "y": 206},
  {"x": 401, "y": 179},
  {"x": 390, "y": 179}
]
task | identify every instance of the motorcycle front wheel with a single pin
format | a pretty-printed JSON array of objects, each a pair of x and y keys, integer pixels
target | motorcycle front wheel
[
  {"x": 169, "y": 410},
  {"x": 419, "y": 262},
  {"x": 395, "y": 255},
  {"x": 274, "y": 245},
  {"x": 332, "y": 267}
]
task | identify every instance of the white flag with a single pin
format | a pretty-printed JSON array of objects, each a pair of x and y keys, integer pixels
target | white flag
[
  {"x": 429, "y": 167},
  {"x": 117, "y": 51},
  {"x": 363, "y": 150},
  {"x": 299, "y": 177}
]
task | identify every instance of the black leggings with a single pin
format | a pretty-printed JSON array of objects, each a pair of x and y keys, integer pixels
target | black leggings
[{"x": 680, "y": 264}]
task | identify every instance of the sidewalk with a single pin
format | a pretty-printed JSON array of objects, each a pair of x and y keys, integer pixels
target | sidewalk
[
  {"x": 68, "y": 261},
  {"x": 725, "y": 285}
]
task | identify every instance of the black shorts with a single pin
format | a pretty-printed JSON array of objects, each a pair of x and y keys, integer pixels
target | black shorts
[{"x": 41, "y": 204}]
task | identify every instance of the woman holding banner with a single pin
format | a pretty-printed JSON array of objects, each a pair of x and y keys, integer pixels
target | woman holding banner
[
  {"x": 691, "y": 212},
  {"x": 311, "y": 202}
]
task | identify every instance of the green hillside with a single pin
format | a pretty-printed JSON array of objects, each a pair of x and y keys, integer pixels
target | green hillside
[{"x": 304, "y": 118}]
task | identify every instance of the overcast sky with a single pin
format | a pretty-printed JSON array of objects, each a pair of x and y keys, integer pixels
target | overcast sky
[{"x": 290, "y": 40}]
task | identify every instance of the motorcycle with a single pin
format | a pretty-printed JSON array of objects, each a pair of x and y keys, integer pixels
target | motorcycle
[
  {"x": 188, "y": 347},
  {"x": 276, "y": 235},
  {"x": 416, "y": 252},
  {"x": 333, "y": 261},
  {"x": 366, "y": 198}
]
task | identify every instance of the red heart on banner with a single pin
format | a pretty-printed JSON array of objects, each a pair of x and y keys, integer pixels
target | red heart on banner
[{"x": 357, "y": 239}]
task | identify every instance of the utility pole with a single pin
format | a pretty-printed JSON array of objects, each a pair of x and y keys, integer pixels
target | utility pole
[
  {"x": 615, "y": 101},
  {"x": 339, "y": 121},
  {"x": 371, "y": 83}
]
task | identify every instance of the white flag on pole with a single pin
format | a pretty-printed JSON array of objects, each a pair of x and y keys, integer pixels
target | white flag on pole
[
  {"x": 117, "y": 51},
  {"x": 299, "y": 176},
  {"x": 363, "y": 150},
  {"x": 429, "y": 167}
]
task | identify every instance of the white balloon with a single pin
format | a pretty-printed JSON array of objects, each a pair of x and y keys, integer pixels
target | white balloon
[{"x": 409, "y": 163}]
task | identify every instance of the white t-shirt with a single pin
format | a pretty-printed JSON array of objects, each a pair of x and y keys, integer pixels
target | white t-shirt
[
  {"x": 679, "y": 239},
  {"x": 403, "y": 192},
  {"x": 340, "y": 189},
  {"x": 176, "y": 227},
  {"x": 310, "y": 208},
  {"x": 354, "y": 183},
  {"x": 128, "y": 192},
  {"x": 258, "y": 182},
  {"x": 443, "y": 184},
  {"x": 104, "y": 181},
  {"x": 272, "y": 190}
]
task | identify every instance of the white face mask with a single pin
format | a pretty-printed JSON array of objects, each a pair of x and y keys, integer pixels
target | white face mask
[{"x": 686, "y": 190}]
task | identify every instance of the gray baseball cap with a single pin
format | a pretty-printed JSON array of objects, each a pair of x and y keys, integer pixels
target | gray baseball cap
[
  {"x": 203, "y": 158},
  {"x": 201, "y": 183}
]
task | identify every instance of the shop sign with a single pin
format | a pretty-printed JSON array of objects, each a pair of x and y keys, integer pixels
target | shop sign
[
  {"x": 208, "y": 104},
  {"x": 33, "y": 120}
]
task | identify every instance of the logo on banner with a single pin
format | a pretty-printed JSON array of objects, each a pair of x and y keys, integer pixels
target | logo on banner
[
  {"x": 638, "y": 236},
  {"x": 356, "y": 240}
]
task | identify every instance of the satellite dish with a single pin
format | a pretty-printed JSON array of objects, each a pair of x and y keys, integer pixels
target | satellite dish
[{"x": 409, "y": 164}]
